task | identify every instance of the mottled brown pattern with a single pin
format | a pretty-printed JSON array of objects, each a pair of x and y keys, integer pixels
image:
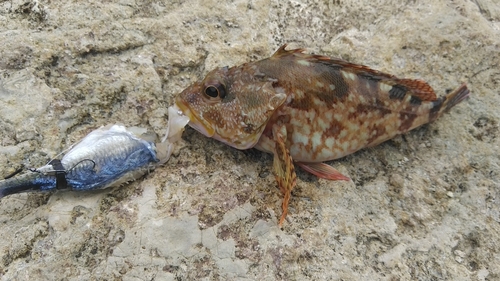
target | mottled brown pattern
[
  {"x": 369, "y": 76},
  {"x": 407, "y": 119},
  {"x": 249, "y": 128},
  {"x": 367, "y": 86},
  {"x": 305, "y": 103},
  {"x": 435, "y": 109},
  {"x": 309, "y": 108},
  {"x": 415, "y": 100},
  {"x": 418, "y": 88},
  {"x": 332, "y": 92},
  {"x": 213, "y": 116},
  {"x": 382, "y": 108},
  {"x": 332, "y": 76},
  {"x": 334, "y": 129},
  {"x": 398, "y": 92},
  {"x": 377, "y": 132}
]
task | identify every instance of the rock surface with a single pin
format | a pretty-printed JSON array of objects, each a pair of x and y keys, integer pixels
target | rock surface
[{"x": 422, "y": 206}]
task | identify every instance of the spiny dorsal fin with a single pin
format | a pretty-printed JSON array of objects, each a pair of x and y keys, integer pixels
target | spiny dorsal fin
[
  {"x": 417, "y": 88},
  {"x": 282, "y": 52}
]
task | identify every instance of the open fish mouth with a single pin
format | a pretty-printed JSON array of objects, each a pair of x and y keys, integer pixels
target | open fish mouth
[{"x": 195, "y": 121}]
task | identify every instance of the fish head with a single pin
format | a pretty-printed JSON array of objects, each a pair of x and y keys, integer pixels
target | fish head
[{"x": 232, "y": 105}]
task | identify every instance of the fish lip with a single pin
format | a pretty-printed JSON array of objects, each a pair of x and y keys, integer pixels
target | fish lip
[{"x": 195, "y": 122}]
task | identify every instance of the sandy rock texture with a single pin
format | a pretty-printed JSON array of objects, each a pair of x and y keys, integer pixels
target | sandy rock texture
[{"x": 423, "y": 206}]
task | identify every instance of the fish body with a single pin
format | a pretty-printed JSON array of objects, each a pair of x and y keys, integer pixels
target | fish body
[
  {"x": 306, "y": 109},
  {"x": 105, "y": 157}
]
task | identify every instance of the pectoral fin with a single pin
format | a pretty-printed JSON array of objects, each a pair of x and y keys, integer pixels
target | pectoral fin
[
  {"x": 322, "y": 170},
  {"x": 284, "y": 169}
]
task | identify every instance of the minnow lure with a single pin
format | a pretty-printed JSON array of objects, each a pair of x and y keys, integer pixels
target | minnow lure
[
  {"x": 308, "y": 109},
  {"x": 108, "y": 156}
]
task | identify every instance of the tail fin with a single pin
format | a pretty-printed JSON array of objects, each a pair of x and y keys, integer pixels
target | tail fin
[
  {"x": 455, "y": 97},
  {"x": 444, "y": 104}
]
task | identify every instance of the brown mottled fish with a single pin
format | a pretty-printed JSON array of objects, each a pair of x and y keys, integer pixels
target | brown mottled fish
[{"x": 306, "y": 109}]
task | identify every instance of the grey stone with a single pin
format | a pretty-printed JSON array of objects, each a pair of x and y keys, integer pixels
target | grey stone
[{"x": 211, "y": 212}]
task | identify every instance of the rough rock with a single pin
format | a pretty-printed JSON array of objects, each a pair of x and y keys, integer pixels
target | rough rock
[{"x": 422, "y": 206}]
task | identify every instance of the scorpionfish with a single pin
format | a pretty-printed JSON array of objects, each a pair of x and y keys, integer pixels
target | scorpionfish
[{"x": 306, "y": 109}]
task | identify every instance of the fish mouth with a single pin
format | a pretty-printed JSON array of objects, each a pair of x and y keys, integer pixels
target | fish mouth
[{"x": 195, "y": 122}]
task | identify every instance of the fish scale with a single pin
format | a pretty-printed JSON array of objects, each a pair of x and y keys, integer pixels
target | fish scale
[{"x": 307, "y": 109}]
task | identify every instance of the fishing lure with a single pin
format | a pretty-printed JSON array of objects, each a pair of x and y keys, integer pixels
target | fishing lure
[{"x": 108, "y": 156}]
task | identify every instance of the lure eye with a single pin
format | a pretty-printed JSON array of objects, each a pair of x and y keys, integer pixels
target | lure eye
[{"x": 215, "y": 91}]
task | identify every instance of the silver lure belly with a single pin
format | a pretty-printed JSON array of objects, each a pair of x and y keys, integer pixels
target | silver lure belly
[{"x": 105, "y": 157}]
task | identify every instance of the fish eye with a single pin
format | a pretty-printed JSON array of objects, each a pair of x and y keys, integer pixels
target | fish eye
[
  {"x": 211, "y": 91},
  {"x": 215, "y": 91}
]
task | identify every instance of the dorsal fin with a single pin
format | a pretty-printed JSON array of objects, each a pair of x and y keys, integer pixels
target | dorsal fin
[
  {"x": 282, "y": 52},
  {"x": 417, "y": 88}
]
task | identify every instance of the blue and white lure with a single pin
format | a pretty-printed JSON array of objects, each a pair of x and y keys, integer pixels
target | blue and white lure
[{"x": 108, "y": 156}]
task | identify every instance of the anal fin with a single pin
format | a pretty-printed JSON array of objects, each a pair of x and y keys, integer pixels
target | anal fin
[{"x": 322, "y": 170}]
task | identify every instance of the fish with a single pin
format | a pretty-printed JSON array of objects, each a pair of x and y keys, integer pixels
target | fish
[
  {"x": 108, "y": 156},
  {"x": 306, "y": 109}
]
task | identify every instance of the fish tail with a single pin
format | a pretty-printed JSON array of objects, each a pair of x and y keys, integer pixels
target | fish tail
[
  {"x": 444, "y": 104},
  {"x": 455, "y": 97},
  {"x": 26, "y": 183}
]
